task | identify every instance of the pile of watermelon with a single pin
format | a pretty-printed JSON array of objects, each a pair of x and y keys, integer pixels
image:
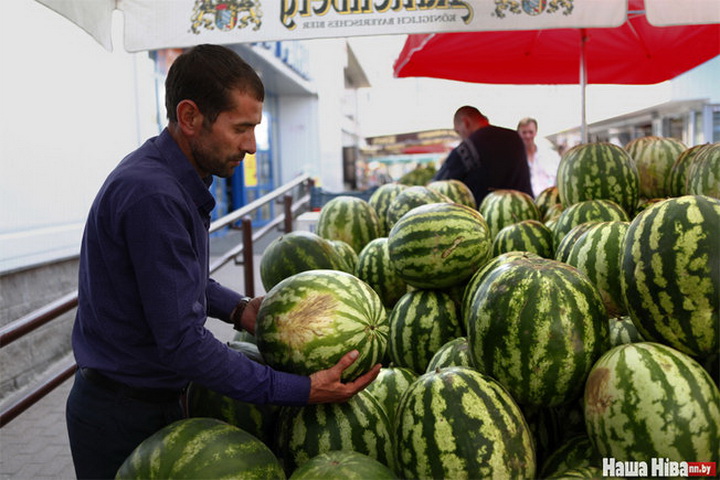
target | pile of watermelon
[{"x": 520, "y": 338}]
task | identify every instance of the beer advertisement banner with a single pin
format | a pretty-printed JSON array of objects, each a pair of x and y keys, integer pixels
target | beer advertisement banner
[{"x": 156, "y": 24}]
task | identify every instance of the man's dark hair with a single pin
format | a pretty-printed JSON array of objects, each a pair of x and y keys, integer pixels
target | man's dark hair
[
  {"x": 206, "y": 74},
  {"x": 469, "y": 112}
]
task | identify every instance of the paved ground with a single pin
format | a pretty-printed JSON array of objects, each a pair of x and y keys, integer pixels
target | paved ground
[{"x": 35, "y": 445}]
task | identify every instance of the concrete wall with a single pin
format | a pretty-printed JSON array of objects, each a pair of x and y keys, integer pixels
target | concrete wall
[{"x": 22, "y": 292}]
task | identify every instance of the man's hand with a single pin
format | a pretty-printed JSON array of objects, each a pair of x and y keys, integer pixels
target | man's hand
[{"x": 326, "y": 387}]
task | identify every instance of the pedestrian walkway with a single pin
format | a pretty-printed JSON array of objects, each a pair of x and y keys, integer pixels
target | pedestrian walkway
[{"x": 35, "y": 445}]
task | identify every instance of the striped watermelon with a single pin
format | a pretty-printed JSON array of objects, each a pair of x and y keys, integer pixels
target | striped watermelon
[
  {"x": 455, "y": 353},
  {"x": 455, "y": 190},
  {"x": 598, "y": 254},
  {"x": 562, "y": 249},
  {"x": 381, "y": 199},
  {"x": 676, "y": 182},
  {"x": 547, "y": 199},
  {"x": 537, "y": 326},
  {"x": 587, "y": 211},
  {"x": 201, "y": 448},
  {"x": 421, "y": 322},
  {"x": 359, "y": 424},
  {"x": 671, "y": 273},
  {"x": 346, "y": 254},
  {"x": 576, "y": 452},
  {"x": 704, "y": 174},
  {"x": 472, "y": 286},
  {"x": 374, "y": 268},
  {"x": 527, "y": 236},
  {"x": 598, "y": 171},
  {"x": 389, "y": 386},
  {"x": 458, "y": 423},
  {"x": 345, "y": 465},
  {"x": 419, "y": 176},
  {"x": 350, "y": 219},
  {"x": 647, "y": 400},
  {"x": 623, "y": 330},
  {"x": 410, "y": 198},
  {"x": 654, "y": 157},
  {"x": 297, "y": 252},
  {"x": 552, "y": 213},
  {"x": 501, "y": 208},
  {"x": 309, "y": 321},
  {"x": 438, "y": 245}
]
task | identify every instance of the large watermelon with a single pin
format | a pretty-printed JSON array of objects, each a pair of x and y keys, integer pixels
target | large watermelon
[
  {"x": 342, "y": 465},
  {"x": 598, "y": 254},
  {"x": 381, "y": 199},
  {"x": 410, "y": 198},
  {"x": 439, "y": 245},
  {"x": 359, "y": 425},
  {"x": 201, "y": 448},
  {"x": 350, "y": 219},
  {"x": 374, "y": 268},
  {"x": 297, "y": 252},
  {"x": 587, "y": 211},
  {"x": 537, "y": 326},
  {"x": 704, "y": 174},
  {"x": 671, "y": 273},
  {"x": 676, "y": 181},
  {"x": 526, "y": 236},
  {"x": 598, "y": 171},
  {"x": 421, "y": 322},
  {"x": 455, "y": 190},
  {"x": 309, "y": 321},
  {"x": 457, "y": 423},
  {"x": 654, "y": 158},
  {"x": 649, "y": 401},
  {"x": 389, "y": 386},
  {"x": 501, "y": 208}
]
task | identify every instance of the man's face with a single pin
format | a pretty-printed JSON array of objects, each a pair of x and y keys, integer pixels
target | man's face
[
  {"x": 527, "y": 133},
  {"x": 220, "y": 148}
]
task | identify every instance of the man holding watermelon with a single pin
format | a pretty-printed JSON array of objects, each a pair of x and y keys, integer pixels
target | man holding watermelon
[
  {"x": 144, "y": 293},
  {"x": 489, "y": 157}
]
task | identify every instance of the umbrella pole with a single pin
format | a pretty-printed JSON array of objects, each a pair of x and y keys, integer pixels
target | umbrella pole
[{"x": 583, "y": 85}]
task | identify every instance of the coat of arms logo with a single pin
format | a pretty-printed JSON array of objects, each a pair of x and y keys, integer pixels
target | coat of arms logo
[
  {"x": 532, "y": 7},
  {"x": 225, "y": 15}
]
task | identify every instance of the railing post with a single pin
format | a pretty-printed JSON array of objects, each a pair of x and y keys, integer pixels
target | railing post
[
  {"x": 287, "y": 207},
  {"x": 248, "y": 266}
]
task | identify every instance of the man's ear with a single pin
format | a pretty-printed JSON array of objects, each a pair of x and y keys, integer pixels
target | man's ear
[{"x": 190, "y": 119}]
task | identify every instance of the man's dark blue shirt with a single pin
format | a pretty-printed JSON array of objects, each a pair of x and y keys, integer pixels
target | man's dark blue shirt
[{"x": 144, "y": 290}]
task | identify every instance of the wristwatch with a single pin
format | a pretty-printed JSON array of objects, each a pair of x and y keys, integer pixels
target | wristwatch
[{"x": 237, "y": 313}]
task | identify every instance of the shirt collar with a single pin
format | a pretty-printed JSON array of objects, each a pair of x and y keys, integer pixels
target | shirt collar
[{"x": 197, "y": 187}]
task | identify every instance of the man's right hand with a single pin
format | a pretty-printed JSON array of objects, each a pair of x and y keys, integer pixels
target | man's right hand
[{"x": 326, "y": 387}]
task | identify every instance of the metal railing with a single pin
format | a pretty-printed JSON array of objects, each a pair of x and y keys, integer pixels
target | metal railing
[{"x": 30, "y": 322}]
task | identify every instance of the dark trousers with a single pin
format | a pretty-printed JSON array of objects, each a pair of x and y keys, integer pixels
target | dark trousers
[{"x": 105, "y": 426}]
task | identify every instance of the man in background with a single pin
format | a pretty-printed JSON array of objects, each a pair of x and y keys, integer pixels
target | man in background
[
  {"x": 489, "y": 157},
  {"x": 542, "y": 159}
]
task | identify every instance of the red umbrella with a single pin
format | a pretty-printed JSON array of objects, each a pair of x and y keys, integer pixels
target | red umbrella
[{"x": 634, "y": 53}]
